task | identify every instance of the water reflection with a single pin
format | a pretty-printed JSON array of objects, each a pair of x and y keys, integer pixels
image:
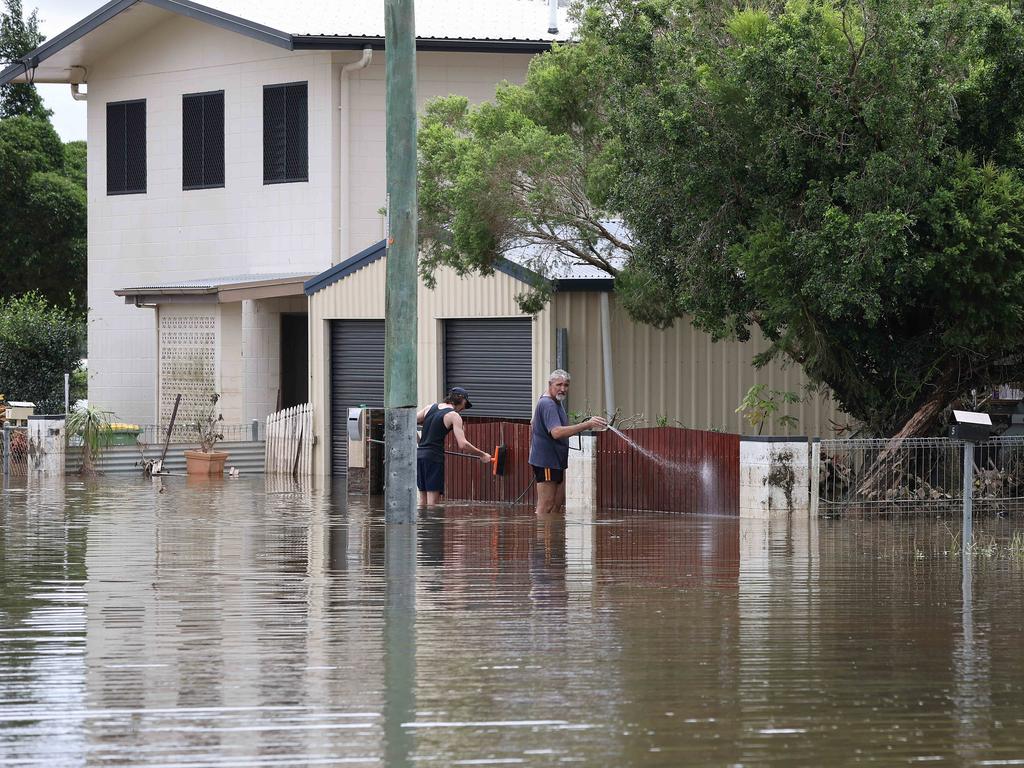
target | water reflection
[{"x": 253, "y": 623}]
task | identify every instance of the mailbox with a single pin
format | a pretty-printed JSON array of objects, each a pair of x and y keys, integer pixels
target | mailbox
[
  {"x": 355, "y": 424},
  {"x": 970, "y": 426}
]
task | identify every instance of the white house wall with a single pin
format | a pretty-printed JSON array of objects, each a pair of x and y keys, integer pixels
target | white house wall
[
  {"x": 169, "y": 234},
  {"x": 261, "y": 352},
  {"x": 473, "y": 75}
]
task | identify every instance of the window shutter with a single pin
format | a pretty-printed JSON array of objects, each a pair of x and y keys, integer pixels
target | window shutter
[
  {"x": 285, "y": 133},
  {"x": 126, "y": 147},
  {"x": 202, "y": 140}
]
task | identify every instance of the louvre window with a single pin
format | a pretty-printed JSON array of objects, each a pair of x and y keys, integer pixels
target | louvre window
[
  {"x": 285, "y": 124},
  {"x": 126, "y": 147},
  {"x": 202, "y": 140}
]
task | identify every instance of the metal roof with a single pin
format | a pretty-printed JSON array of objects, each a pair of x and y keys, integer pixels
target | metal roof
[
  {"x": 481, "y": 25},
  {"x": 217, "y": 289},
  {"x": 573, "y": 277}
]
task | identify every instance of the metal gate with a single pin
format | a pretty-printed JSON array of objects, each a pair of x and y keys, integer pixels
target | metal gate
[
  {"x": 357, "y": 378},
  {"x": 493, "y": 359}
]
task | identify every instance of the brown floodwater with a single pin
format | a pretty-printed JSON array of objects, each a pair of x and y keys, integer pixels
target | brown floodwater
[{"x": 254, "y": 623}]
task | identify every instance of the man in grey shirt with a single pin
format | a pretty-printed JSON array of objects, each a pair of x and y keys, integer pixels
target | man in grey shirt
[{"x": 549, "y": 442}]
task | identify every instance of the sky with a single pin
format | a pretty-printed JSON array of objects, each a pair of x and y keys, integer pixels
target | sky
[{"x": 54, "y": 17}]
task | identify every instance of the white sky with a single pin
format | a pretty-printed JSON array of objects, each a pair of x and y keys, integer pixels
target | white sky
[{"x": 54, "y": 17}]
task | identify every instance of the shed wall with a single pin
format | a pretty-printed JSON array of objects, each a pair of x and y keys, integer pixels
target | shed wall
[
  {"x": 678, "y": 373},
  {"x": 361, "y": 295}
]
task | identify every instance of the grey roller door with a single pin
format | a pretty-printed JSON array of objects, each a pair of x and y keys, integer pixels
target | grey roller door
[
  {"x": 492, "y": 359},
  {"x": 357, "y": 378}
]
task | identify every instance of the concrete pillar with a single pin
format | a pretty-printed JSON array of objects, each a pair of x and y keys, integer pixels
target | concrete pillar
[
  {"x": 774, "y": 478},
  {"x": 46, "y": 442},
  {"x": 581, "y": 476}
]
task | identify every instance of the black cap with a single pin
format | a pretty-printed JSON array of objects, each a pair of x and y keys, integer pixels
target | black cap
[{"x": 461, "y": 392}]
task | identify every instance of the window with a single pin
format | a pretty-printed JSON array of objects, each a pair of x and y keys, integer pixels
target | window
[
  {"x": 126, "y": 147},
  {"x": 285, "y": 124},
  {"x": 202, "y": 140}
]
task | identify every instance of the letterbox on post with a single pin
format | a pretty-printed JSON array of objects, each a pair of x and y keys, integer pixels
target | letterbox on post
[
  {"x": 355, "y": 424},
  {"x": 970, "y": 426}
]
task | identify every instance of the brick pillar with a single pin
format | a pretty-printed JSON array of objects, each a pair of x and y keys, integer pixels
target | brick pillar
[{"x": 774, "y": 477}]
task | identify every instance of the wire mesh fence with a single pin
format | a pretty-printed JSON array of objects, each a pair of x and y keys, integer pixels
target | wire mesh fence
[
  {"x": 14, "y": 451},
  {"x": 918, "y": 475}
]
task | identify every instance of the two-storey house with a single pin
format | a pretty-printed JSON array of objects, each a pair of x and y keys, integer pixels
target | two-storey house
[{"x": 237, "y": 148}]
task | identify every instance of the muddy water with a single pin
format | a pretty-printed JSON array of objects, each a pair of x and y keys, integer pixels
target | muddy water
[{"x": 247, "y": 624}]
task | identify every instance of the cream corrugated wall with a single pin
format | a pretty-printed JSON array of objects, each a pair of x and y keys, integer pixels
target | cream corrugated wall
[
  {"x": 361, "y": 296},
  {"x": 678, "y": 373}
]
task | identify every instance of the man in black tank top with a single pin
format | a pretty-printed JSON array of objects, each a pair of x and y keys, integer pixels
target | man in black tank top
[{"x": 438, "y": 420}]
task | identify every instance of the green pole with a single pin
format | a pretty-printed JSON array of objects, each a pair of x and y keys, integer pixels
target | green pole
[{"x": 400, "y": 289}]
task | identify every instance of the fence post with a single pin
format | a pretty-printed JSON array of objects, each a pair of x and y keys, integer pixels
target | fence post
[
  {"x": 7, "y": 451},
  {"x": 968, "y": 495},
  {"x": 255, "y": 430},
  {"x": 581, "y": 476},
  {"x": 815, "y": 474}
]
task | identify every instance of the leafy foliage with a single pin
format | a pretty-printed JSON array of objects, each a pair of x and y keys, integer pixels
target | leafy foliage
[
  {"x": 842, "y": 175},
  {"x": 42, "y": 212},
  {"x": 761, "y": 403},
  {"x": 18, "y": 36},
  {"x": 207, "y": 425},
  {"x": 524, "y": 171},
  {"x": 39, "y": 343},
  {"x": 91, "y": 425}
]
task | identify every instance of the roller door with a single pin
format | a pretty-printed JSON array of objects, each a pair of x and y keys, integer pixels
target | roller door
[
  {"x": 357, "y": 378},
  {"x": 492, "y": 359}
]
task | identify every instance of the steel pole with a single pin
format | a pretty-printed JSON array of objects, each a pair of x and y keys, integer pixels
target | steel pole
[
  {"x": 967, "y": 534},
  {"x": 400, "y": 288}
]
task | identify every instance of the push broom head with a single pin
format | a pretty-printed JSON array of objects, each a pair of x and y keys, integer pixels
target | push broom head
[{"x": 498, "y": 460}]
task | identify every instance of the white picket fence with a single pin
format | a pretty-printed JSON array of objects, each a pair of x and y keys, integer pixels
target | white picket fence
[{"x": 290, "y": 441}]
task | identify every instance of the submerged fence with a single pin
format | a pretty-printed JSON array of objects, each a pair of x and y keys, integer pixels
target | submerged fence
[
  {"x": 14, "y": 450},
  {"x": 467, "y": 479},
  {"x": 669, "y": 469},
  {"x": 289, "y": 447},
  {"x": 918, "y": 475}
]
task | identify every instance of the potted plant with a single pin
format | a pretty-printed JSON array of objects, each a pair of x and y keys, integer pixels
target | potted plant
[{"x": 207, "y": 461}]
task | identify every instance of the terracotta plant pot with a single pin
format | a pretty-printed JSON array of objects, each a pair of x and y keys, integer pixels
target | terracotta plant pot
[{"x": 199, "y": 463}]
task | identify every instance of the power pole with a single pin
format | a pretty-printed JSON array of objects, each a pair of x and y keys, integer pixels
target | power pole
[{"x": 400, "y": 290}]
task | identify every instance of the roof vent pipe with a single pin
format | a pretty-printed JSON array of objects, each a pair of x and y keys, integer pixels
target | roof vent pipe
[
  {"x": 77, "y": 78},
  {"x": 552, "y": 17}
]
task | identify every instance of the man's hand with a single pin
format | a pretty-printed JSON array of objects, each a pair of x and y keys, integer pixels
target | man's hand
[
  {"x": 596, "y": 422},
  {"x": 485, "y": 458}
]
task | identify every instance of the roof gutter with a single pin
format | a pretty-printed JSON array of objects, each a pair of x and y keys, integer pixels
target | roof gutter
[{"x": 346, "y": 43}]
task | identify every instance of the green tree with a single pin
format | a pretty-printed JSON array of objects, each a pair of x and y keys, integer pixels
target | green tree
[
  {"x": 42, "y": 212},
  {"x": 843, "y": 175},
  {"x": 39, "y": 343},
  {"x": 528, "y": 169},
  {"x": 18, "y": 36}
]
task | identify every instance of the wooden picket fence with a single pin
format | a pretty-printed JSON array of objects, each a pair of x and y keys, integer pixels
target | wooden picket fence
[{"x": 290, "y": 441}]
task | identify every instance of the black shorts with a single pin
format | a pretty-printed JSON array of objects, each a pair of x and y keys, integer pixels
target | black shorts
[
  {"x": 430, "y": 475},
  {"x": 548, "y": 475}
]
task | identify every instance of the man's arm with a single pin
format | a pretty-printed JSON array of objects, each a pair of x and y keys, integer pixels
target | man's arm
[
  {"x": 560, "y": 432},
  {"x": 460, "y": 436},
  {"x": 421, "y": 414}
]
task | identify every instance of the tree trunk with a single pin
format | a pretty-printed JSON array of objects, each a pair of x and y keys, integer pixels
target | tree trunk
[{"x": 918, "y": 425}]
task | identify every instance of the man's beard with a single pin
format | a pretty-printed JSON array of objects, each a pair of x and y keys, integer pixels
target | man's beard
[{"x": 560, "y": 398}]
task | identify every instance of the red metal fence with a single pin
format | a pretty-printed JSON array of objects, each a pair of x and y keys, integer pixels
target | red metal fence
[
  {"x": 466, "y": 479},
  {"x": 670, "y": 470}
]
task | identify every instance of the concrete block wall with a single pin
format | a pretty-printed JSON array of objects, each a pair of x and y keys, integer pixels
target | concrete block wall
[{"x": 774, "y": 478}]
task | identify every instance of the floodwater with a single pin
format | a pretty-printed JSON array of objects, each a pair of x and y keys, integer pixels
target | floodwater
[{"x": 247, "y": 623}]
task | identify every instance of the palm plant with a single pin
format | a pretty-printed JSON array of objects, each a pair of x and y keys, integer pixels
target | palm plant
[{"x": 91, "y": 424}]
